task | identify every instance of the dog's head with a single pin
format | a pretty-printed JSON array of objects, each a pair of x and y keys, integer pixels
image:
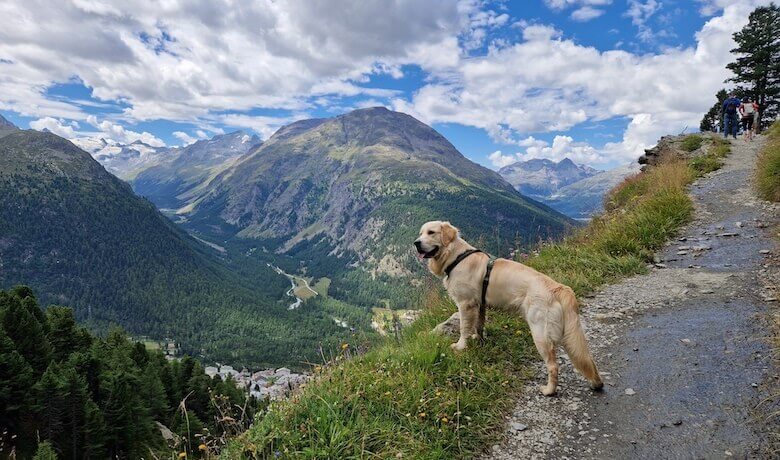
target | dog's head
[{"x": 434, "y": 236}]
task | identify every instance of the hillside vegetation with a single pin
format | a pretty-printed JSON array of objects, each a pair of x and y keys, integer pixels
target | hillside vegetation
[
  {"x": 768, "y": 168},
  {"x": 90, "y": 397},
  {"x": 415, "y": 398},
  {"x": 80, "y": 237}
]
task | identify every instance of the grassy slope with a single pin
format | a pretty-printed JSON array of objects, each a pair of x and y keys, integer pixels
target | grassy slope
[
  {"x": 416, "y": 398},
  {"x": 768, "y": 167},
  {"x": 767, "y": 181}
]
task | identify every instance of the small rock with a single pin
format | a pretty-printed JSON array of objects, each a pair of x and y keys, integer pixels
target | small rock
[
  {"x": 517, "y": 426},
  {"x": 685, "y": 341},
  {"x": 727, "y": 234},
  {"x": 656, "y": 259},
  {"x": 770, "y": 299},
  {"x": 754, "y": 385},
  {"x": 707, "y": 291},
  {"x": 764, "y": 251},
  {"x": 738, "y": 224},
  {"x": 682, "y": 253},
  {"x": 677, "y": 422},
  {"x": 701, "y": 248},
  {"x": 683, "y": 248},
  {"x": 659, "y": 265},
  {"x": 630, "y": 391}
]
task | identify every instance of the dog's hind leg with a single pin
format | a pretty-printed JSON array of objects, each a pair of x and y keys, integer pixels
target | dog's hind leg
[{"x": 547, "y": 350}]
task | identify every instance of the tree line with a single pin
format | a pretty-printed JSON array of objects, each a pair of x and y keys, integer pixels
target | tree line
[{"x": 68, "y": 393}]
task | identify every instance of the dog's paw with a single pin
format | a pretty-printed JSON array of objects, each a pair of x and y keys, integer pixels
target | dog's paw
[
  {"x": 547, "y": 391},
  {"x": 597, "y": 386},
  {"x": 458, "y": 346}
]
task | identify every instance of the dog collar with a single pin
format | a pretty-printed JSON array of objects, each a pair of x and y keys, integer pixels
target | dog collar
[{"x": 459, "y": 259}]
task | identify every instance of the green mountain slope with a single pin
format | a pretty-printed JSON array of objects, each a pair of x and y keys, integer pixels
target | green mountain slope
[
  {"x": 185, "y": 170},
  {"x": 354, "y": 189},
  {"x": 80, "y": 237}
]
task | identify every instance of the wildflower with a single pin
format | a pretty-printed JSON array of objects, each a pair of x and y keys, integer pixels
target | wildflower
[
  {"x": 387, "y": 393},
  {"x": 422, "y": 415},
  {"x": 438, "y": 393},
  {"x": 182, "y": 454},
  {"x": 518, "y": 332},
  {"x": 202, "y": 447},
  {"x": 344, "y": 346},
  {"x": 445, "y": 420}
]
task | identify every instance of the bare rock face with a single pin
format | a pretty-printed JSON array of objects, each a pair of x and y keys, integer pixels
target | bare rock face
[
  {"x": 673, "y": 147},
  {"x": 449, "y": 327}
]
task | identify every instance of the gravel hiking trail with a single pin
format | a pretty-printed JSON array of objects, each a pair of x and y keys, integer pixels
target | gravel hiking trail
[{"x": 684, "y": 349}]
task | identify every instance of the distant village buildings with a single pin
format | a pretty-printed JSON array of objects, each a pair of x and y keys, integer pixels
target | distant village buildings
[{"x": 273, "y": 384}]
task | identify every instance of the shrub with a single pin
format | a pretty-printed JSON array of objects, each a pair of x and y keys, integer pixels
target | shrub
[{"x": 692, "y": 142}]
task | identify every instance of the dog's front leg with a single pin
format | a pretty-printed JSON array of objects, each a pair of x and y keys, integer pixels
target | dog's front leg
[{"x": 469, "y": 314}]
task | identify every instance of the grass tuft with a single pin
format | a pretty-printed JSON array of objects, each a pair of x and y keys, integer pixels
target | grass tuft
[
  {"x": 768, "y": 166},
  {"x": 692, "y": 142},
  {"x": 414, "y": 398}
]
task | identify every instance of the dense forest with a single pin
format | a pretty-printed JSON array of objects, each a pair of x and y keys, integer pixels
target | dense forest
[
  {"x": 88, "y": 397},
  {"x": 80, "y": 237}
]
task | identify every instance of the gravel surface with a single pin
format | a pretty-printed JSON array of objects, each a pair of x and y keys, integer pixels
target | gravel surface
[{"x": 683, "y": 349}]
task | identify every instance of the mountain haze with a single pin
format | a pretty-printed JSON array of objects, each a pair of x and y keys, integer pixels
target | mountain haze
[{"x": 541, "y": 177}]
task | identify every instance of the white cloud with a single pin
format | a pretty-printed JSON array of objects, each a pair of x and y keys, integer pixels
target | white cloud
[
  {"x": 586, "y": 13},
  {"x": 56, "y": 126},
  {"x": 547, "y": 83},
  {"x": 563, "y": 4},
  {"x": 183, "y": 60},
  {"x": 120, "y": 134},
  {"x": 499, "y": 160},
  {"x": 640, "y": 12},
  {"x": 184, "y": 137}
]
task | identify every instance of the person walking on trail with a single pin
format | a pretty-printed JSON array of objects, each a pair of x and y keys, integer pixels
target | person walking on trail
[
  {"x": 730, "y": 120},
  {"x": 746, "y": 112}
]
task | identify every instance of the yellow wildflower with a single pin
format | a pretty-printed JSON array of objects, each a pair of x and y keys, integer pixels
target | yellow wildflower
[
  {"x": 202, "y": 447},
  {"x": 422, "y": 415},
  {"x": 344, "y": 346},
  {"x": 182, "y": 454},
  {"x": 444, "y": 420}
]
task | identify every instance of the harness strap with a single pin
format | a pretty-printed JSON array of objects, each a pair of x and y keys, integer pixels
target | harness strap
[
  {"x": 485, "y": 282},
  {"x": 459, "y": 259}
]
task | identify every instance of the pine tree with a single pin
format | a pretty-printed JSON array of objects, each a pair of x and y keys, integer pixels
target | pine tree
[
  {"x": 64, "y": 335},
  {"x": 45, "y": 452},
  {"x": 757, "y": 68},
  {"x": 712, "y": 118},
  {"x": 16, "y": 379},
  {"x": 48, "y": 404},
  {"x": 24, "y": 328}
]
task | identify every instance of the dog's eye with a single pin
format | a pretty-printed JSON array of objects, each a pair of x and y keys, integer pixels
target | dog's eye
[{"x": 431, "y": 232}]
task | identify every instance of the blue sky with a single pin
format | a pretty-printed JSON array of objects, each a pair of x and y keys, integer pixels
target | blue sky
[{"x": 594, "y": 80}]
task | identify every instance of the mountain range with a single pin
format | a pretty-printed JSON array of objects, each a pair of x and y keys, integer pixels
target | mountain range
[
  {"x": 574, "y": 190},
  {"x": 80, "y": 237},
  {"x": 336, "y": 201}
]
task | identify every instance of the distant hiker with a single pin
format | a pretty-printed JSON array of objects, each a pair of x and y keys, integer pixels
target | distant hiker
[
  {"x": 746, "y": 112},
  {"x": 729, "y": 112}
]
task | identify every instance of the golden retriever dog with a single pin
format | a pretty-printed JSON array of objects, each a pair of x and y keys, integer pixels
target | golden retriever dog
[{"x": 550, "y": 308}]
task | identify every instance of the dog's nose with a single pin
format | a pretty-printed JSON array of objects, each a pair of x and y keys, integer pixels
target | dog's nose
[{"x": 417, "y": 244}]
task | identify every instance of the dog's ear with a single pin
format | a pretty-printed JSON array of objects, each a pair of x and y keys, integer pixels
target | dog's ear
[{"x": 448, "y": 233}]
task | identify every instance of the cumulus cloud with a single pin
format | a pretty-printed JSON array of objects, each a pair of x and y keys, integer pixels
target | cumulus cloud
[
  {"x": 57, "y": 126},
  {"x": 499, "y": 160},
  {"x": 185, "y": 138},
  {"x": 120, "y": 134},
  {"x": 586, "y": 13},
  {"x": 561, "y": 147},
  {"x": 569, "y": 83},
  {"x": 182, "y": 60}
]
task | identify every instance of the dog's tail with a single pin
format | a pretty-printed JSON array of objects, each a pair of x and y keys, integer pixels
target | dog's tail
[{"x": 574, "y": 338}]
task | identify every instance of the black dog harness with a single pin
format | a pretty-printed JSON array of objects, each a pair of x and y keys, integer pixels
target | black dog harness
[{"x": 485, "y": 280}]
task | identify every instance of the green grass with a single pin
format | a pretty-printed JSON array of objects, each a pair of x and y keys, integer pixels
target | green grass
[
  {"x": 415, "y": 398},
  {"x": 768, "y": 166},
  {"x": 692, "y": 142}
]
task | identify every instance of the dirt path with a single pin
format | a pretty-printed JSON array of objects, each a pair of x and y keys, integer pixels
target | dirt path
[{"x": 682, "y": 349}]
